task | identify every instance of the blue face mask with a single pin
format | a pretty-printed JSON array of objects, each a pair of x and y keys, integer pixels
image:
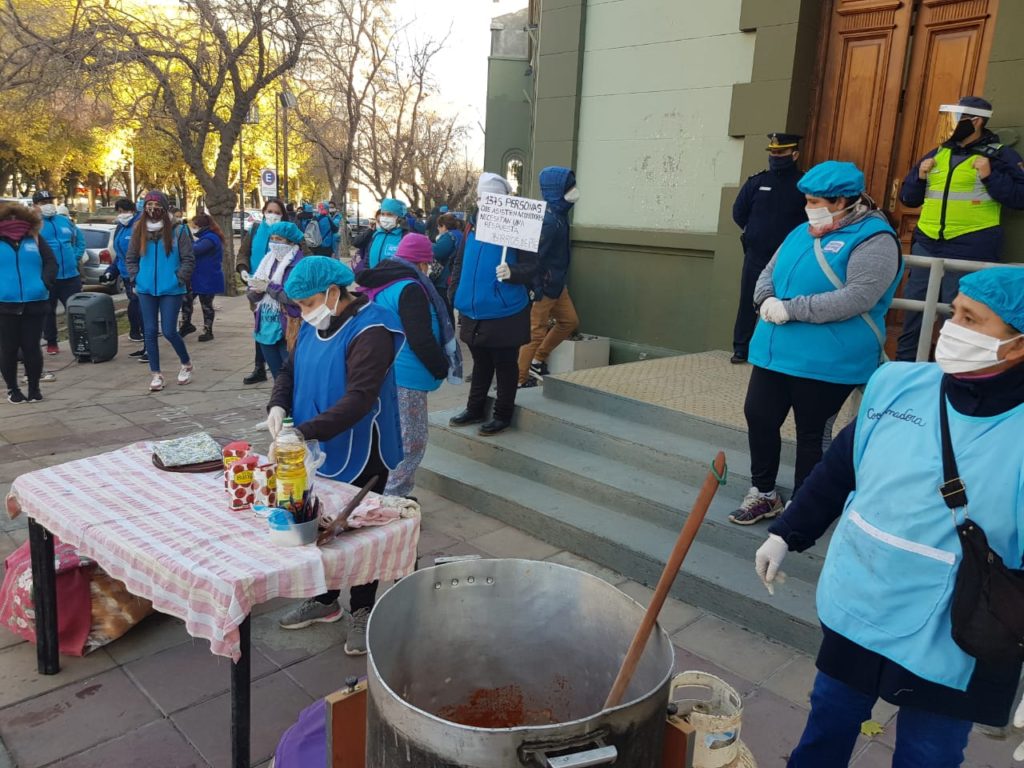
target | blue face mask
[{"x": 780, "y": 162}]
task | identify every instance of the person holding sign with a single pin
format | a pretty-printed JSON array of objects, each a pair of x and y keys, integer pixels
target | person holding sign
[
  {"x": 488, "y": 288},
  {"x": 550, "y": 294}
]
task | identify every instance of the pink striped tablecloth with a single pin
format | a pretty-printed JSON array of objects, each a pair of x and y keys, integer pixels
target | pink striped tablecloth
[{"x": 171, "y": 539}]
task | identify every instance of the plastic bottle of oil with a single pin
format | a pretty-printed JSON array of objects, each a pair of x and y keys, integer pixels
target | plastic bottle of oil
[{"x": 290, "y": 451}]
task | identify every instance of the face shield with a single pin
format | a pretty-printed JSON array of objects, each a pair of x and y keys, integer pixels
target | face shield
[{"x": 951, "y": 114}]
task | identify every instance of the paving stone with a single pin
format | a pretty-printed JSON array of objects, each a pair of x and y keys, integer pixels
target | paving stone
[
  {"x": 457, "y": 521},
  {"x": 511, "y": 542},
  {"x": 987, "y": 752},
  {"x": 276, "y": 703},
  {"x": 285, "y": 647},
  {"x": 433, "y": 541},
  {"x": 674, "y": 614},
  {"x": 875, "y": 755},
  {"x": 188, "y": 673},
  {"x": 5, "y": 757},
  {"x": 157, "y": 632},
  {"x": 794, "y": 681},
  {"x": 458, "y": 548},
  {"x": 159, "y": 740},
  {"x": 748, "y": 654},
  {"x": 326, "y": 672},
  {"x": 687, "y": 661},
  {"x": 771, "y": 727},
  {"x": 587, "y": 566},
  {"x": 76, "y": 717},
  {"x": 10, "y": 470},
  {"x": 19, "y": 679}
]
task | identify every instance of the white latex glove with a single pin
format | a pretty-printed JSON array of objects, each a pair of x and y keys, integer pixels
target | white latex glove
[
  {"x": 504, "y": 272},
  {"x": 1018, "y": 722},
  {"x": 258, "y": 283},
  {"x": 774, "y": 311},
  {"x": 768, "y": 559},
  {"x": 275, "y": 420}
]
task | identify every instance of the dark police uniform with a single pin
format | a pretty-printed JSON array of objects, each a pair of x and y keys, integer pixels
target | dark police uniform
[{"x": 767, "y": 208}]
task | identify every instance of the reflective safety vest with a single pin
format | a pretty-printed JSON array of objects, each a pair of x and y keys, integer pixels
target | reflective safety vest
[{"x": 956, "y": 202}]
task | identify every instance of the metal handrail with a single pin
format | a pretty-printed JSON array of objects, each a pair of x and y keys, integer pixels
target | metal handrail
[{"x": 930, "y": 306}]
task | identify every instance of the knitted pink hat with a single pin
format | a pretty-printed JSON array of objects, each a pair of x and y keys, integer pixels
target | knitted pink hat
[{"x": 415, "y": 248}]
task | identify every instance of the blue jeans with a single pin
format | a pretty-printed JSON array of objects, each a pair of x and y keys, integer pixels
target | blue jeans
[
  {"x": 276, "y": 356},
  {"x": 161, "y": 313},
  {"x": 923, "y": 739},
  {"x": 917, "y": 288}
]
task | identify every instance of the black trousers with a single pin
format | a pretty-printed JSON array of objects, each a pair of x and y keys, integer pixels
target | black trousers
[
  {"x": 205, "y": 301},
  {"x": 20, "y": 333},
  {"x": 488, "y": 363},
  {"x": 746, "y": 315},
  {"x": 770, "y": 397},
  {"x": 61, "y": 291},
  {"x": 363, "y": 595}
]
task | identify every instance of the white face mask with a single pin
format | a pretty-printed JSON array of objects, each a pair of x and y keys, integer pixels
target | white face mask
[
  {"x": 48, "y": 210},
  {"x": 124, "y": 219},
  {"x": 281, "y": 250},
  {"x": 961, "y": 350},
  {"x": 272, "y": 218},
  {"x": 819, "y": 217},
  {"x": 387, "y": 223},
  {"x": 320, "y": 317},
  {"x": 155, "y": 226},
  {"x": 573, "y": 195}
]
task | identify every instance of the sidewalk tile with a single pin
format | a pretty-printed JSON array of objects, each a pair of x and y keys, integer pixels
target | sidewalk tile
[
  {"x": 794, "y": 681},
  {"x": 674, "y": 614},
  {"x": 587, "y": 566},
  {"x": 276, "y": 703},
  {"x": 188, "y": 673},
  {"x": 748, "y": 654},
  {"x": 458, "y": 548},
  {"x": 74, "y": 718},
  {"x": 19, "y": 679},
  {"x": 159, "y": 741},
  {"x": 687, "y": 661},
  {"x": 287, "y": 646},
  {"x": 457, "y": 521},
  {"x": 511, "y": 542},
  {"x": 875, "y": 756},
  {"x": 988, "y": 752},
  {"x": 433, "y": 541},
  {"x": 157, "y": 632},
  {"x": 771, "y": 727},
  {"x": 326, "y": 672}
]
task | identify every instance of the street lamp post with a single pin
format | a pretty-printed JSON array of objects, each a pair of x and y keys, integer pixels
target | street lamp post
[
  {"x": 251, "y": 118},
  {"x": 288, "y": 101}
]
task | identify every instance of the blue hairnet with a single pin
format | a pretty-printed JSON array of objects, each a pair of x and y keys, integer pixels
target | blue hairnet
[
  {"x": 390, "y": 205},
  {"x": 315, "y": 274},
  {"x": 287, "y": 230},
  {"x": 1001, "y": 289},
  {"x": 832, "y": 178}
]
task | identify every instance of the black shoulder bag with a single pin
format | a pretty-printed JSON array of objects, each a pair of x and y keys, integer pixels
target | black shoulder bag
[{"x": 988, "y": 598}]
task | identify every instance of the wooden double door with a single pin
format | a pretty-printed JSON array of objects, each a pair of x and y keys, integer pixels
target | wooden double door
[{"x": 884, "y": 68}]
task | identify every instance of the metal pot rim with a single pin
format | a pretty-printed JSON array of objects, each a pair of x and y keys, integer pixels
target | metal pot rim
[{"x": 531, "y": 729}]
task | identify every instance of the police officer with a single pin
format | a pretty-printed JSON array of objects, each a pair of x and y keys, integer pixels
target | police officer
[
  {"x": 961, "y": 187},
  {"x": 885, "y": 593},
  {"x": 767, "y": 209}
]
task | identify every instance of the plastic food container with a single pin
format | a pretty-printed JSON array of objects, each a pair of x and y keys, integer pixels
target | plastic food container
[{"x": 297, "y": 535}]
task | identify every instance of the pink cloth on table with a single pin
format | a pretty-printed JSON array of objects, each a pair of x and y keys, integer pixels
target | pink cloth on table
[
  {"x": 74, "y": 602},
  {"x": 171, "y": 539},
  {"x": 371, "y": 511}
]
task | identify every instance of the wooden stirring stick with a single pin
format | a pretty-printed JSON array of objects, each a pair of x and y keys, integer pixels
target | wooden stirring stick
[{"x": 338, "y": 523}]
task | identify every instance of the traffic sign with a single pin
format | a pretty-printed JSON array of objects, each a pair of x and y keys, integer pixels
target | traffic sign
[{"x": 268, "y": 182}]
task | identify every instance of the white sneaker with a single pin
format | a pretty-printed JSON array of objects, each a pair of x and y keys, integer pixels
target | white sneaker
[
  {"x": 185, "y": 374},
  {"x": 156, "y": 383}
]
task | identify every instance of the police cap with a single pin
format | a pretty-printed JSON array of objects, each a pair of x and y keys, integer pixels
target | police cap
[{"x": 783, "y": 141}]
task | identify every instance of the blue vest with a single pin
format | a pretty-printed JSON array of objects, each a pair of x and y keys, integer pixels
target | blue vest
[
  {"x": 259, "y": 245},
  {"x": 122, "y": 238},
  {"x": 21, "y": 272},
  {"x": 410, "y": 373},
  {"x": 888, "y": 578},
  {"x": 59, "y": 233},
  {"x": 480, "y": 295},
  {"x": 320, "y": 381},
  {"x": 383, "y": 246},
  {"x": 158, "y": 270},
  {"x": 844, "y": 352},
  {"x": 327, "y": 234}
]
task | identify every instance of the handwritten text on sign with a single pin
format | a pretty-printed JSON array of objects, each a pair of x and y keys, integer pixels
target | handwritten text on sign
[{"x": 511, "y": 221}]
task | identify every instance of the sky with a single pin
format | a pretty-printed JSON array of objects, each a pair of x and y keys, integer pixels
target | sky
[{"x": 460, "y": 69}]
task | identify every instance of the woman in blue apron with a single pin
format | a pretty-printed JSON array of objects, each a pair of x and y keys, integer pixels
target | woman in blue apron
[
  {"x": 339, "y": 387},
  {"x": 885, "y": 592}
]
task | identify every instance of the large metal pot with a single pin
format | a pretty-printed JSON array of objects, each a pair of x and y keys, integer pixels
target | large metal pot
[{"x": 521, "y": 654}]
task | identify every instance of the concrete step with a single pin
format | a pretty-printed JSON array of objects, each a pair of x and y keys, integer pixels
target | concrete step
[
  {"x": 656, "y": 498},
  {"x": 724, "y": 436},
  {"x": 718, "y": 580}
]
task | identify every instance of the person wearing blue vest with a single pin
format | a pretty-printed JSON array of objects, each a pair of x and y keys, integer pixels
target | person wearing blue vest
[
  {"x": 68, "y": 246},
  {"x": 375, "y": 245},
  {"x": 401, "y": 285},
  {"x": 125, "y": 217},
  {"x": 822, "y": 302},
  {"x": 28, "y": 268},
  {"x": 339, "y": 387},
  {"x": 494, "y": 318},
  {"x": 885, "y": 591},
  {"x": 160, "y": 263},
  {"x": 255, "y": 245},
  {"x": 323, "y": 229},
  {"x": 961, "y": 187}
]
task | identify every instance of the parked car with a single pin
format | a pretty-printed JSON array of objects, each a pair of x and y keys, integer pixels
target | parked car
[
  {"x": 355, "y": 226},
  {"x": 241, "y": 224},
  {"x": 99, "y": 249}
]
